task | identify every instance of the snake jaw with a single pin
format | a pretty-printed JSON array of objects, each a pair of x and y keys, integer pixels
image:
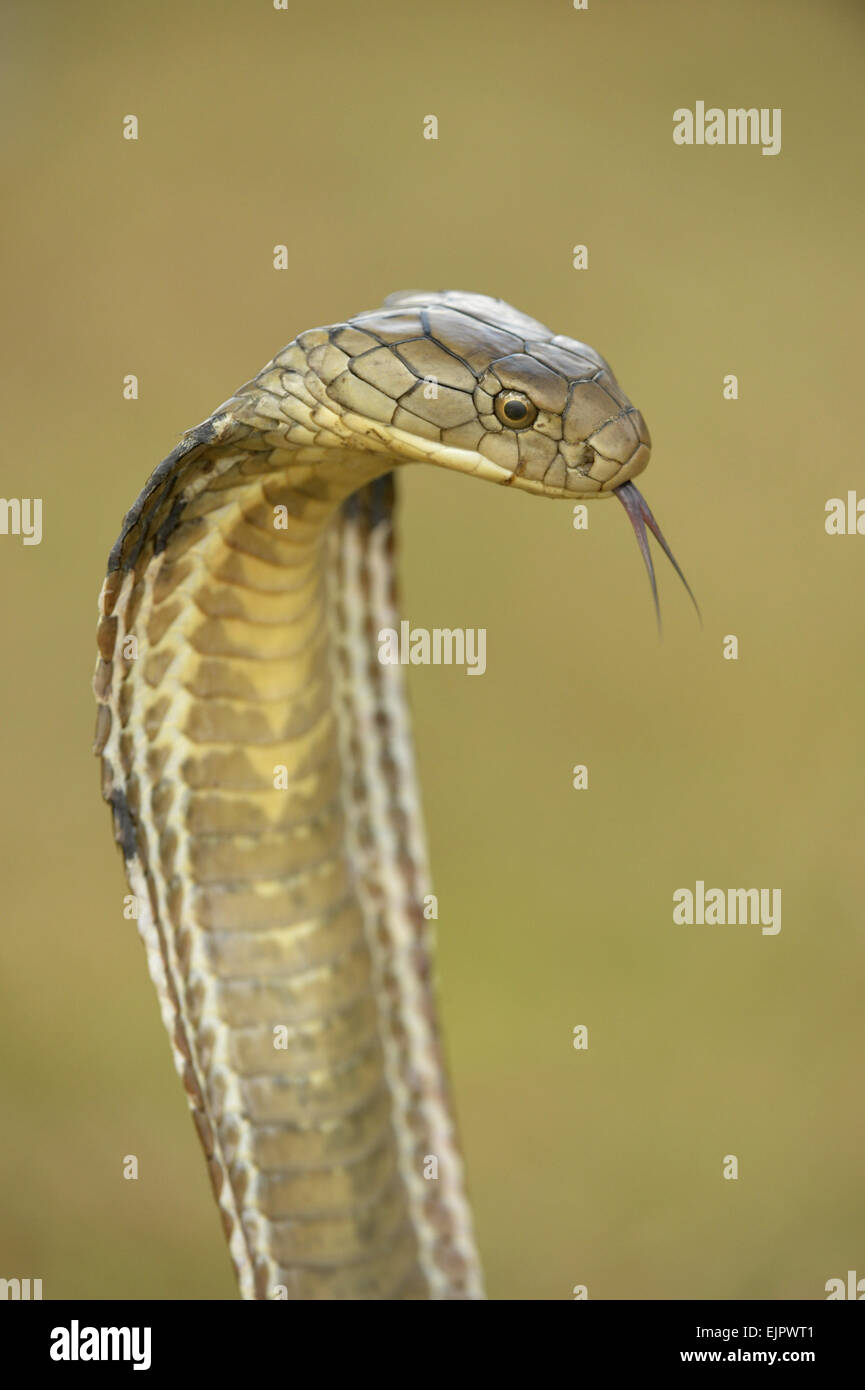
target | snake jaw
[{"x": 640, "y": 516}]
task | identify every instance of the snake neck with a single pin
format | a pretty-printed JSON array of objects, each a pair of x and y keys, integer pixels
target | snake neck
[{"x": 259, "y": 761}]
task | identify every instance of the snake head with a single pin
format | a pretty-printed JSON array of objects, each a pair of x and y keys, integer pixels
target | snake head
[{"x": 472, "y": 384}]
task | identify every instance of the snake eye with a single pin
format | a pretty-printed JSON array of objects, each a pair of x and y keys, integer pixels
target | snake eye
[{"x": 515, "y": 410}]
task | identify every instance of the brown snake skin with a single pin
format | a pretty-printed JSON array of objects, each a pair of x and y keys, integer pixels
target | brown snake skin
[{"x": 258, "y": 761}]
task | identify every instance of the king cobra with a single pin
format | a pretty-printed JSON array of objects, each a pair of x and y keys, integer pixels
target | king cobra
[{"x": 257, "y": 758}]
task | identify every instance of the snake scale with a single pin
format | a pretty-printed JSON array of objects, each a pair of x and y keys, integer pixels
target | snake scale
[{"x": 257, "y": 758}]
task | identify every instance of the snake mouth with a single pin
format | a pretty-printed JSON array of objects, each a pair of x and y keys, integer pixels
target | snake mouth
[{"x": 640, "y": 516}]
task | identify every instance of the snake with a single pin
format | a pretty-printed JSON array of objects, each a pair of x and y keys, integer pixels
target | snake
[{"x": 257, "y": 758}]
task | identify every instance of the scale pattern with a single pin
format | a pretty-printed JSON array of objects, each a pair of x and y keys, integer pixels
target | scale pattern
[{"x": 258, "y": 762}]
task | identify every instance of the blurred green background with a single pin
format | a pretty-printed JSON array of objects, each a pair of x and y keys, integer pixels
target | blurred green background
[{"x": 555, "y": 128}]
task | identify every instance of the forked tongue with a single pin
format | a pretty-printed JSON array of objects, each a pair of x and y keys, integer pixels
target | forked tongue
[{"x": 640, "y": 517}]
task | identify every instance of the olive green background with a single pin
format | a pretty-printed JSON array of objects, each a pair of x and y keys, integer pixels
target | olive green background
[{"x": 555, "y": 128}]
